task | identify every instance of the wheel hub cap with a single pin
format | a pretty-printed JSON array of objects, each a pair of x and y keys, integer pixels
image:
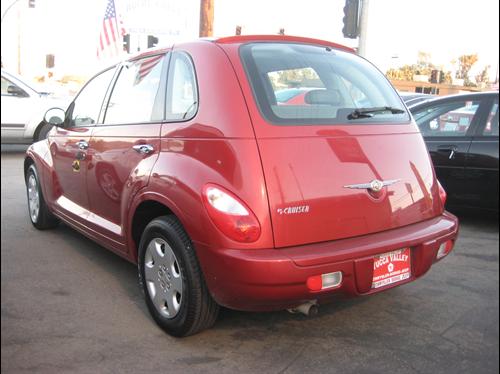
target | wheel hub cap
[
  {"x": 33, "y": 198},
  {"x": 163, "y": 278}
]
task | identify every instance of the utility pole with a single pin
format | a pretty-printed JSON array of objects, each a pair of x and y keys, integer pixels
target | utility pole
[
  {"x": 363, "y": 27},
  {"x": 206, "y": 18},
  {"x": 19, "y": 42},
  {"x": 18, "y": 33}
]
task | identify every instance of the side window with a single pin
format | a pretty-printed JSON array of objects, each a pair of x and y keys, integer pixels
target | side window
[
  {"x": 11, "y": 89},
  {"x": 135, "y": 91},
  {"x": 87, "y": 105},
  {"x": 447, "y": 119},
  {"x": 5, "y": 86},
  {"x": 491, "y": 128},
  {"x": 182, "y": 91}
]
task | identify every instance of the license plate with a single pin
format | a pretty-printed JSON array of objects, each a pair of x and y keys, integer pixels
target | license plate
[{"x": 392, "y": 267}]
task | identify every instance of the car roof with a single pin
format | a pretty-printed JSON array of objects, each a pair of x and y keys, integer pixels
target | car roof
[
  {"x": 465, "y": 96},
  {"x": 416, "y": 100},
  {"x": 410, "y": 95},
  {"x": 150, "y": 52},
  {"x": 240, "y": 39},
  {"x": 413, "y": 98}
]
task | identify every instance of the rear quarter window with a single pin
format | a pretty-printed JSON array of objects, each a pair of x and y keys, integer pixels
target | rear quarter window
[
  {"x": 182, "y": 88},
  {"x": 301, "y": 84}
]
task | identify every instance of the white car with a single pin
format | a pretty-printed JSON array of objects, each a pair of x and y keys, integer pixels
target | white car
[{"x": 23, "y": 111}]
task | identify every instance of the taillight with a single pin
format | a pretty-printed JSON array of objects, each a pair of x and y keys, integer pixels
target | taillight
[
  {"x": 230, "y": 214},
  {"x": 442, "y": 194},
  {"x": 324, "y": 281}
]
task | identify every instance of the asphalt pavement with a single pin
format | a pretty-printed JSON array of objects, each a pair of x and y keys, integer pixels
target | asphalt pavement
[{"x": 69, "y": 305}]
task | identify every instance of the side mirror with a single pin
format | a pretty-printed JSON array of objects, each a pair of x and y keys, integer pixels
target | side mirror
[
  {"x": 16, "y": 91},
  {"x": 55, "y": 116}
]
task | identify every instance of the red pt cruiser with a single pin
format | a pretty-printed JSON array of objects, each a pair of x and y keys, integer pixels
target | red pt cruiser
[{"x": 182, "y": 160}]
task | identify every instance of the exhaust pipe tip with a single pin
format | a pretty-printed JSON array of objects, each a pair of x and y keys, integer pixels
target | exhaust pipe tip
[
  {"x": 313, "y": 310},
  {"x": 309, "y": 309}
]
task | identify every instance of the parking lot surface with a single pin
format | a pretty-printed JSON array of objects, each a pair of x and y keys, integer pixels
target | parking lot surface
[{"x": 68, "y": 305}]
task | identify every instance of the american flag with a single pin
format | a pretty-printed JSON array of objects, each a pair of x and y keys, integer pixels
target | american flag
[
  {"x": 146, "y": 65},
  {"x": 110, "y": 38}
]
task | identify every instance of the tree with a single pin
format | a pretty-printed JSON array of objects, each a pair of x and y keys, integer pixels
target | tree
[
  {"x": 297, "y": 77},
  {"x": 405, "y": 73},
  {"x": 484, "y": 76},
  {"x": 424, "y": 62},
  {"x": 465, "y": 63},
  {"x": 447, "y": 79},
  {"x": 424, "y": 66}
]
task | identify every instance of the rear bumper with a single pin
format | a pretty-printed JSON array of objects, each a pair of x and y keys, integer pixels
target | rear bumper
[{"x": 274, "y": 279}]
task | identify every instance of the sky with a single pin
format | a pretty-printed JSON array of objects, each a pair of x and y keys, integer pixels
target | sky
[{"x": 397, "y": 29}]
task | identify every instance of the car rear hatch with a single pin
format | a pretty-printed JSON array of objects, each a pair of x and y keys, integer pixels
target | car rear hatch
[
  {"x": 345, "y": 162},
  {"x": 316, "y": 185}
]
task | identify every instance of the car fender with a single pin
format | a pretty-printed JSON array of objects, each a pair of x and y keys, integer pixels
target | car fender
[
  {"x": 140, "y": 197},
  {"x": 185, "y": 166},
  {"x": 40, "y": 153}
]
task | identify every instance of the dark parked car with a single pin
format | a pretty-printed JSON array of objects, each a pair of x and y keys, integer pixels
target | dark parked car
[
  {"x": 414, "y": 98},
  {"x": 461, "y": 133}
]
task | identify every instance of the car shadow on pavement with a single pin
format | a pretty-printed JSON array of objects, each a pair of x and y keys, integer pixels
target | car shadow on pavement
[
  {"x": 486, "y": 220},
  {"x": 254, "y": 325},
  {"x": 124, "y": 271},
  {"x": 246, "y": 323},
  {"x": 14, "y": 148}
]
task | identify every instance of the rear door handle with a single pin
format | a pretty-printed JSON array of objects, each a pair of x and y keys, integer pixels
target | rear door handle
[
  {"x": 452, "y": 149},
  {"x": 143, "y": 148},
  {"x": 82, "y": 144}
]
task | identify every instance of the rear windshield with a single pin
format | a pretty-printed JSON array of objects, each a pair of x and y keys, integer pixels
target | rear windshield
[{"x": 299, "y": 84}]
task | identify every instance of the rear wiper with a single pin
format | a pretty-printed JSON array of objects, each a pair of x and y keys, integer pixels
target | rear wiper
[{"x": 370, "y": 112}]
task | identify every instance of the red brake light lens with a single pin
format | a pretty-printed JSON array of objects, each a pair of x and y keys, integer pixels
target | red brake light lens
[
  {"x": 315, "y": 283},
  {"x": 230, "y": 214}
]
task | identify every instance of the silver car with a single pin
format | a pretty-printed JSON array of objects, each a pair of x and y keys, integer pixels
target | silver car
[{"x": 23, "y": 110}]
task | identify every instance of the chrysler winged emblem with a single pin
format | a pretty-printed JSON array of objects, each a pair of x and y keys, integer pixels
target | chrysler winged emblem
[{"x": 375, "y": 185}]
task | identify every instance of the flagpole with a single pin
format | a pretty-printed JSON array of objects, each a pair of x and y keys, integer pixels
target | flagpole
[
  {"x": 118, "y": 29},
  {"x": 121, "y": 30}
]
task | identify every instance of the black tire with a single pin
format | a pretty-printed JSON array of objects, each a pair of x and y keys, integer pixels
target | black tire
[
  {"x": 43, "y": 132},
  {"x": 44, "y": 219},
  {"x": 198, "y": 310}
]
